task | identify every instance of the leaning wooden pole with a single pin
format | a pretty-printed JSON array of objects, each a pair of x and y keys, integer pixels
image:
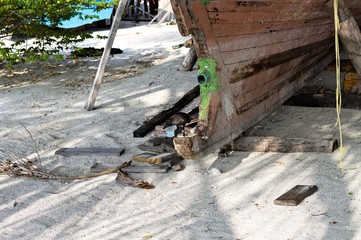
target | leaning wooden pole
[
  {"x": 103, "y": 62},
  {"x": 349, "y": 33}
]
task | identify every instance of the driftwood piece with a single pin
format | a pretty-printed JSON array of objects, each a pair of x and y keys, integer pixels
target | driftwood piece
[
  {"x": 151, "y": 149},
  {"x": 284, "y": 145},
  {"x": 142, "y": 157},
  {"x": 350, "y": 36},
  {"x": 189, "y": 61},
  {"x": 166, "y": 114},
  {"x": 90, "y": 151},
  {"x": 296, "y": 195},
  {"x": 154, "y": 159}
]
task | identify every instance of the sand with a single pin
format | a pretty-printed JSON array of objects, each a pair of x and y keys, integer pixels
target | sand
[{"x": 41, "y": 110}]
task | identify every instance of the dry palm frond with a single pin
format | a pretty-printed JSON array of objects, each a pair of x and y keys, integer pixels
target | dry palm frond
[
  {"x": 22, "y": 168},
  {"x": 26, "y": 169}
]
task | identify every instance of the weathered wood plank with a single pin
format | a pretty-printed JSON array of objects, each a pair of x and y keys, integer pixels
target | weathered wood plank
[
  {"x": 233, "y": 43},
  {"x": 283, "y": 145},
  {"x": 249, "y": 68},
  {"x": 261, "y": 17},
  {"x": 268, "y": 85},
  {"x": 274, "y": 48},
  {"x": 89, "y": 151},
  {"x": 296, "y": 195},
  {"x": 261, "y": 78},
  {"x": 268, "y": 6},
  {"x": 233, "y": 29},
  {"x": 276, "y": 86},
  {"x": 166, "y": 114}
]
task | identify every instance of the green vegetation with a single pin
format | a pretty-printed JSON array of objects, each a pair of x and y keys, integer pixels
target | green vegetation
[
  {"x": 208, "y": 68},
  {"x": 40, "y": 20}
]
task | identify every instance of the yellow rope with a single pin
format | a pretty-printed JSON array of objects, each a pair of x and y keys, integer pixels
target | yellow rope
[{"x": 338, "y": 81}]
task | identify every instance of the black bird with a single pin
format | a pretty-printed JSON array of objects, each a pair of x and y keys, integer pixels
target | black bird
[{"x": 180, "y": 119}]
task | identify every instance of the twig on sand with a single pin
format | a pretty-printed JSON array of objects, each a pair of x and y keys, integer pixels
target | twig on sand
[{"x": 36, "y": 145}]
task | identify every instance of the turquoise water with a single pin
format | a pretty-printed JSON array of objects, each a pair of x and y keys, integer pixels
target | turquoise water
[{"x": 76, "y": 22}]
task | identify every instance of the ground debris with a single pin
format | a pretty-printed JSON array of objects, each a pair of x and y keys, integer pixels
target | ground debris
[{"x": 124, "y": 179}]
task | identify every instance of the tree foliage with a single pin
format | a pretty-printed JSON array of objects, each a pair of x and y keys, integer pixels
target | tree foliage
[{"x": 41, "y": 20}]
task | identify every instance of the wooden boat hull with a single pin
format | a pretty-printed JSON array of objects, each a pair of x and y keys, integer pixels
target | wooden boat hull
[{"x": 254, "y": 55}]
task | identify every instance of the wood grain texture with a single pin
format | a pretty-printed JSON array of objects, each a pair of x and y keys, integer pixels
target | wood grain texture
[
  {"x": 283, "y": 145},
  {"x": 90, "y": 151},
  {"x": 296, "y": 195}
]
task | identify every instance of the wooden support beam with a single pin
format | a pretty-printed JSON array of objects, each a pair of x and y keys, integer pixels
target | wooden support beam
[
  {"x": 284, "y": 145},
  {"x": 103, "y": 62},
  {"x": 166, "y": 114},
  {"x": 189, "y": 61},
  {"x": 161, "y": 12},
  {"x": 350, "y": 35}
]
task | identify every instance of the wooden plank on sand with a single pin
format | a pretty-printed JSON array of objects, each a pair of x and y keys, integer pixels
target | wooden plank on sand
[
  {"x": 284, "y": 145},
  {"x": 296, "y": 195},
  {"x": 90, "y": 151}
]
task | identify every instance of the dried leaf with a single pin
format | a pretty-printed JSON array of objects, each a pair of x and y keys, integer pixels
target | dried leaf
[
  {"x": 278, "y": 162},
  {"x": 143, "y": 184},
  {"x": 124, "y": 179}
]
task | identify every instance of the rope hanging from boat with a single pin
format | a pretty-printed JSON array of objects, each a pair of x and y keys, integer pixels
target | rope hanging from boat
[{"x": 338, "y": 81}]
